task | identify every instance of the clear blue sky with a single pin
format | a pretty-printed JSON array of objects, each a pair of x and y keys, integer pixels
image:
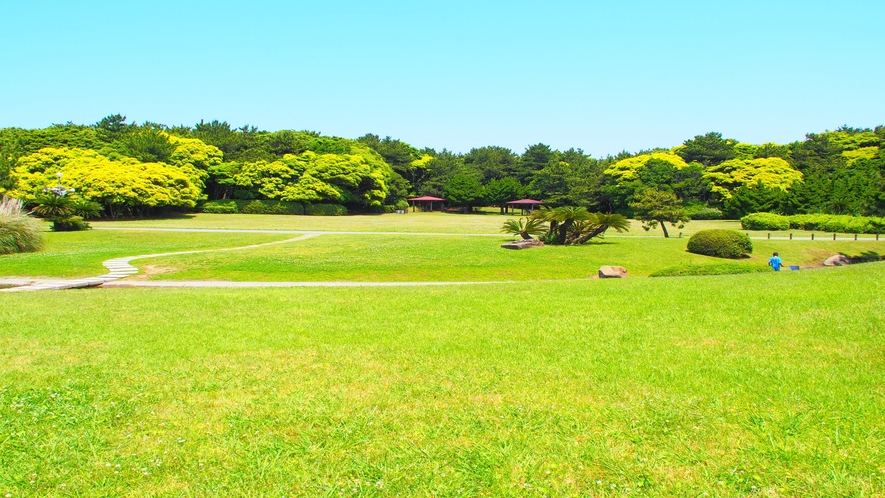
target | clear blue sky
[{"x": 602, "y": 76}]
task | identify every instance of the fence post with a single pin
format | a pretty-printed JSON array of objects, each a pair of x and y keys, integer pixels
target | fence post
[
  {"x": 791, "y": 235},
  {"x": 812, "y": 235},
  {"x": 855, "y": 236},
  {"x": 834, "y": 236},
  {"x": 769, "y": 235}
]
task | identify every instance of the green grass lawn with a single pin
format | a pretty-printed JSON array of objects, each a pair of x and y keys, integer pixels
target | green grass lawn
[
  {"x": 413, "y": 222},
  {"x": 371, "y": 258},
  {"x": 762, "y": 384},
  {"x": 80, "y": 254}
]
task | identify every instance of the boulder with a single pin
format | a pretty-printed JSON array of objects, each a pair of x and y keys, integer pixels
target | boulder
[
  {"x": 837, "y": 260},
  {"x": 523, "y": 244},
  {"x": 612, "y": 272}
]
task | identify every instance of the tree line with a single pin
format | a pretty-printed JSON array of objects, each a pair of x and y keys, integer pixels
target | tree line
[{"x": 135, "y": 169}]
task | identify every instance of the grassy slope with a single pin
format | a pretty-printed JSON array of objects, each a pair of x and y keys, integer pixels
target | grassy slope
[
  {"x": 79, "y": 254},
  {"x": 413, "y": 258},
  {"x": 727, "y": 385}
]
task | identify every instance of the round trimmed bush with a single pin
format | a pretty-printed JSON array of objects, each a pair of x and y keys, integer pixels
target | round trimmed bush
[{"x": 720, "y": 243}]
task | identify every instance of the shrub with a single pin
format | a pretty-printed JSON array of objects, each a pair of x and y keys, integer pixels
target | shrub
[
  {"x": 690, "y": 269},
  {"x": 388, "y": 208},
  {"x": 402, "y": 204},
  {"x": 270, "y": 207},
  {"x": 325, "y": 210},
  {"x": 815, "y": 222},
  {"x": 220, "y": 207},
  {"x": 706, "y": 214},
  {"x": 765, "y": 221},
  {"x": 720, "y": 243},
  {"x": 18, "y": 231},
  {"x": 69, "y": 224},
  {"x": 252, "y": 207}
]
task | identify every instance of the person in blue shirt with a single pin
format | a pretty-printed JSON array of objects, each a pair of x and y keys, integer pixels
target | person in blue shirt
[{"x": 775, "y": 262}]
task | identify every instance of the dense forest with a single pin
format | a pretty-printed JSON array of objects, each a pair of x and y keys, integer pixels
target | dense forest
[{"x": 142, "y": 169}]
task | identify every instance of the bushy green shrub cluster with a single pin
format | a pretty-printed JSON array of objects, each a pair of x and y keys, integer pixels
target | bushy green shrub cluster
[
  {"x": 18, "y": 231},
  {"x": 252, "y": 207},
  {"x": 690, "y": 269},
  {"x": 817, "y": 222},
  {"x": 325, "y": 210},
  {"x": 69, "y": 224},
  {"x": 705, "y": 213},
  {"x": 765, "y": 221},
  {"x": 220, "y": 207},
  {"x": 270, "y": 207},
  {"x": 720, "y": 243}
]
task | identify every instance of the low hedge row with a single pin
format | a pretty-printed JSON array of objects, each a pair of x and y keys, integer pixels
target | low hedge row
[
  {"x": 720, "y": 243},
  {"x": 234, "y": 206},
  {"x": 691, "y": 269},
  {"x": 817, "y": 222}
]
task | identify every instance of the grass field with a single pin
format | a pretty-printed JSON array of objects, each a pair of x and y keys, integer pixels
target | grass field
[
  {"x": 412, "y": 222},
  {"x": 376, "y": 258},
  {"x": 80, "y": 254},
  {"x": 756, "y": 384},
  {"x": 752, "y": 384}
]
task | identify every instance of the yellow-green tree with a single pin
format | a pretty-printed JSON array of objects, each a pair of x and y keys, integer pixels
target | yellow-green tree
[
  {"x": 627, "y": 169},
  {"x": 772, "y": 172},
  {"x": 124, "y": 186}
]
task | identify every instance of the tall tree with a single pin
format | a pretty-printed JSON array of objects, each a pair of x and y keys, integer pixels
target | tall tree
[{"x": 708, "y": 149}]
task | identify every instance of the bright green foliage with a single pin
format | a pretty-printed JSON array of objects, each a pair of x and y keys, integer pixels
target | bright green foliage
[
  {"x": 18, "y": 231},
  {"x": 773, "y": 172},
  {"x": 862, "y": 153},
  {"x": 125, "y": 186},
  {"x": 815, "y": 222},
  {"x": 655, "y": 207},
  {"x": 310, "y": 177},
  {"x": 195, "y": 158},
  {"x": 626, "y": 169},
  {"x": 720, "y": 243},
  {"x": 765, "y": 221}
]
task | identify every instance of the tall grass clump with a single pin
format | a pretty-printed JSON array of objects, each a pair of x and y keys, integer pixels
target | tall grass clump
[{"x": 19, "y": 232}]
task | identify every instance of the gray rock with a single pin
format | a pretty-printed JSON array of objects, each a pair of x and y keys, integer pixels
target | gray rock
[
  {"x": 837, "y": 260},
  {"x": 523, "y": 244},
  {"x": 612, "y": 272}
]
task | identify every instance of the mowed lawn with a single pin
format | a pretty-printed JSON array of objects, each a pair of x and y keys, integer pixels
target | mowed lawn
[
  {"x": 391, "y": 257},
  {"x": 80, "y": 254},
  {"x": 760, "y": 384},
  {"x": 436, "y": 222}
]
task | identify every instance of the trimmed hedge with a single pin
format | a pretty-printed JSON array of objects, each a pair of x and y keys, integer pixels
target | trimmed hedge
[
  {"x": 691, "y": 270},
  {"x": 720, "y": 243},
  {"x": 220, "y": 207},
  {"x": 252, "y": 207},
  {"x": 705, "y": 213},
  {"x": 325, "y": 210},
  {"x": 834, "y": 223},
  {"x": 765, "y": 221}
]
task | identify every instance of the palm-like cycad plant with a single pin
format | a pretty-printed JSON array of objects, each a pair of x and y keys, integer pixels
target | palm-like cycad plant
[{"x": 524, "y": 227}]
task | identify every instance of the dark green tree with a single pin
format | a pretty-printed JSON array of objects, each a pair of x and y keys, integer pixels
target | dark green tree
[
  {"x": 465, "y": 191},
  {"x": 708, "y": 149},
  {"x": 657, "y": 207}
]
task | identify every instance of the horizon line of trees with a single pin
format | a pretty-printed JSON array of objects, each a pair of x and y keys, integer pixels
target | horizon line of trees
[{"x": 136, "y": 169}]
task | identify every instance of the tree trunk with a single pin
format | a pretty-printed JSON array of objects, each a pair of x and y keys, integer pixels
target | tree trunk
[
  {"x": 563, "y": 231},
  {"x": 664, "y": 228}
]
